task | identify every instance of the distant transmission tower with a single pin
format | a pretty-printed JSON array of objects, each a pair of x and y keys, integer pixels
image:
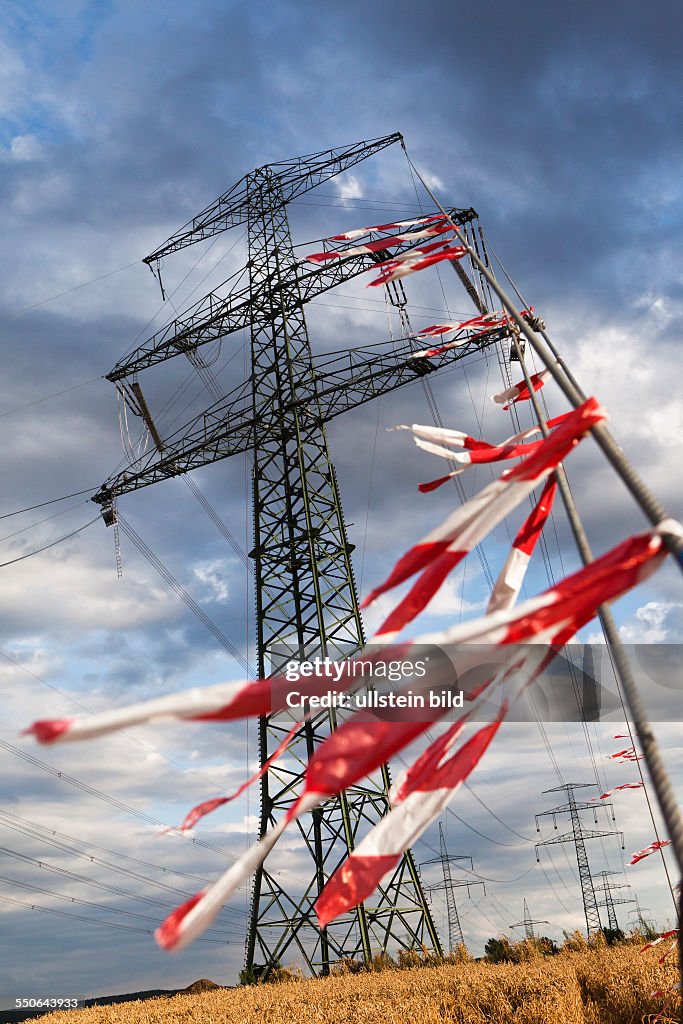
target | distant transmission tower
[
  {"x": 608, "y": 901},
  {"x": 527, "y": 924},
  {"x": 645, "y": 923},
  {"x": 448, "y": 886},
  {"x": 306, "y": 602},
  {"x": 578, "y": 837}
]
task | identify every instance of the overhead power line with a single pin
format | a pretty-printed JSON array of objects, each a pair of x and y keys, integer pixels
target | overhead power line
[
  {"x": 52, "y": 544},
  {"x": 185, "y": 597},
  {"x": 88, "y": 920},
  {"x": 52, "y": 501},
  {"x": 106, "y": 907},
  {"x": 50, "y": 835}
]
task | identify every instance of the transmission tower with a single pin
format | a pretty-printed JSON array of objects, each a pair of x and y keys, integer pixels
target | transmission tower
[
  {"x": 645, "y": 923},
  {"x": 608, "y": 901},
  {"x": 306, "y": 602},
  {"x": 578, "y": 837},
  {"x": 527, "y": 924},
  {"x": 448, "y": 886}
]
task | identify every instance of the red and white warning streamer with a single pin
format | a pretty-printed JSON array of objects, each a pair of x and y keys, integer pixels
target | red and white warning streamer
[
  {"x": 350, "y": 236},
  {"x": 520, "y": 392},
  {"x": 359, "y": 747},
  {"x": 659, "y": 844},
  {"x": 414, "y": 260},
  {"x": 625, "y": 785},
  {"x": 479, "y": 324},
  {"x": 511, "y": 579},
  {"x": 446, "y": 546},
  {"x": 378, "y": 245}
]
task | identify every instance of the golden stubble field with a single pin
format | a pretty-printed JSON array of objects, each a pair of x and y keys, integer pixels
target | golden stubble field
[{"x": 602, "y": 986}]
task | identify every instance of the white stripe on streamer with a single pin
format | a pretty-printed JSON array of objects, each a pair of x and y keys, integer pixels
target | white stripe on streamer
[
  {"x": 511, "y": 579},
  {"x": 349, "y": 236},
  {"x": 446, "y": 546}
]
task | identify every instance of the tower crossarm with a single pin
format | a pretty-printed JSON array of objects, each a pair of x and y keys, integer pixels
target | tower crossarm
[
  {"x": 295, "y": 178},
  {"x": 570, "y": 808},
  {"x": 460, "y": 884},
  {"x": 217, "y": 315},
  {"x": 343, "y": 381},
  {"x": 615, "y": 899},
  {"x": 357, "y": 376},
  {"x": 578, "y": 834}
]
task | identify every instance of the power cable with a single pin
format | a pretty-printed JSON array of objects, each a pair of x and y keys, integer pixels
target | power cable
[
  {"x": 45, "y": 547},
  {"x": 55, "y": 839},
  {"x": 46, "y": 398},
  {"x": 27, "y": 826},
  {"x": 88, "y": 920},
  {"x": 107, "y": 908},
  {"x": 40, "y": 522},
  {"x": 113, "y": 801},
  {"x": 486, "y": 807},
  {"x": 84, "y": 880},
  {"x": 51, "y": 298},
  {"x": 43, "y": 504},
  {"x": 186, "y": 598}
]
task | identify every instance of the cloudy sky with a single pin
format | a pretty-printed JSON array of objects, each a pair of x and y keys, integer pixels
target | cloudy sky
[{"x": 120, "y": 121}]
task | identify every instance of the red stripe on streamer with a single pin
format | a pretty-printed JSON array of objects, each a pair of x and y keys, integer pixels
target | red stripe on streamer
[
  {"x": 169, "y": 932},
  {"x": 520, "y": 392},
  {"x": 660, "y": 938},
  {"x": 626, "y": 785},
  {"x": 201, "y": 810},
  {"x": 527, "y": 538},
  {"x": 428, "y": 761},
  {"x": 669, "y": 951},
  {"x": 444, "y": 436},
  {"x": 477, "y": 321},
  {"x": 352, "y": 883},
  {"x": 481, "y": 451},
  {"x": 415, "y": 260},
  {"x": 509, "y": 583},
  {"x": 580, "y": 594},
  {"x": 349, "y": 236},
  {"x": 648, "y": 850},
  {"x": 358, "y": 747},
  {"x": 629, "y": 754},
  {"x": 544, "y": 459},
  {"x": 445, "y": 547},
  {"x": 49, "y": 730},
  {"x": 383, "y": 847},
  {"x": 423, "y": 590},
  {"x": 488, "y": 321},
  {"x": 378, "y": 245},
  {"x": 432, "y": 485},
  {"x": 221, "y": 703}
]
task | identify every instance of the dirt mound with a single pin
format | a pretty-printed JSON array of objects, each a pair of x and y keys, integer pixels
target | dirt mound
[{"x": 203, "y": 985}]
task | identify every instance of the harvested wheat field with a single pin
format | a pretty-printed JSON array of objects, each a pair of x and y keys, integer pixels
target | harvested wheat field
[{"x": 604, "y": 985}]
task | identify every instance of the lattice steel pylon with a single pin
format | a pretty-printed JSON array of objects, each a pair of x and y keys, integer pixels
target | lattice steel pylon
[
  {"x": 448, "y": 887},
  {"x": 609, "y": 901},
  {"x": 305, "y": 590},
  {"x": 578, "y": 836},
  {"x": 527, "y": 923}
]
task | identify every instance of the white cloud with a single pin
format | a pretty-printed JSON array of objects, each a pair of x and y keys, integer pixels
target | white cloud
[
  {"x": 349, "y": 187},
  {"x": 214, "y": 576},
  {"x": 26, "y": 148},
  {"x": 651, "y": 625}
]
